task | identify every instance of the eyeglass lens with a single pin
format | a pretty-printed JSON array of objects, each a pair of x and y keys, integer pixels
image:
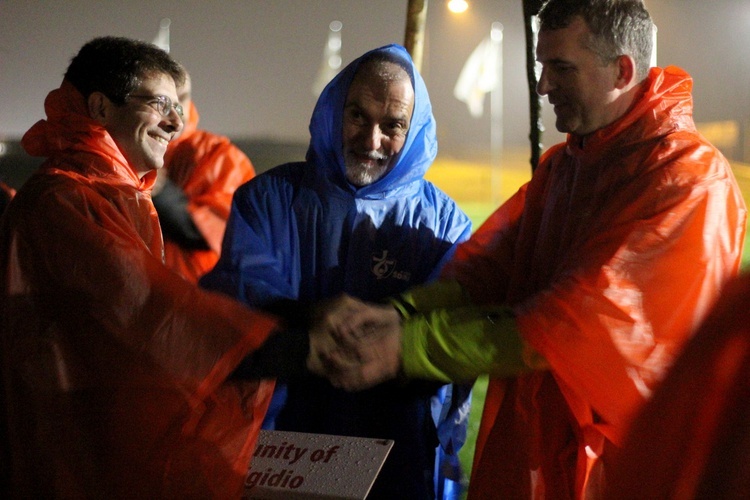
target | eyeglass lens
[{"x": 162, "y": 104}]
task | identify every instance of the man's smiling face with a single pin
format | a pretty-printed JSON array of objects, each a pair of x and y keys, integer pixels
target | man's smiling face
[{"x": 140, "y": 131}]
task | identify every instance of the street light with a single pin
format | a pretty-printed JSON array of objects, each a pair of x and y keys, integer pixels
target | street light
[{"x": 457, "y": 6}]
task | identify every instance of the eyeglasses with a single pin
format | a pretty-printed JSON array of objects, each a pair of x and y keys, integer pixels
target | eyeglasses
[{"x": 161, "y": 103}]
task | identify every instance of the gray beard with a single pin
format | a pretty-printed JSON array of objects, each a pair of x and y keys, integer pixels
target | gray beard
[{"x": 360, "y": 175}]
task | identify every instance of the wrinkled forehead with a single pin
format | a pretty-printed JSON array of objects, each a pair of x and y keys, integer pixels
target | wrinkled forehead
[
  {"x": 381, "y": 70},
  {"x": 379, "y": 76}
]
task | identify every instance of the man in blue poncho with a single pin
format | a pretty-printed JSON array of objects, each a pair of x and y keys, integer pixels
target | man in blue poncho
[{"x": 357, "y": 217}]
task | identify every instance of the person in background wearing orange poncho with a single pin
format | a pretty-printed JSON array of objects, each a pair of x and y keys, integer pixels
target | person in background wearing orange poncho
[
  {"x": 576, "y": 295},
  {"x": 119, "y": 378},
  {"x": 691, "y": 439},
  {"x": 193, "y": 192}
]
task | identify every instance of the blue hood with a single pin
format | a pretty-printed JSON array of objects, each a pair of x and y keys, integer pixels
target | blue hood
[{"x": 325, "y": 154}]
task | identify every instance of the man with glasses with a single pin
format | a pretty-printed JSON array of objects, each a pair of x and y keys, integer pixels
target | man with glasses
[{"x": 116, "y": 372}]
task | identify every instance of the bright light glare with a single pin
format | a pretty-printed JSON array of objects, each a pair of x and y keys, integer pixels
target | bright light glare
[{"x": 457, "y": 6}]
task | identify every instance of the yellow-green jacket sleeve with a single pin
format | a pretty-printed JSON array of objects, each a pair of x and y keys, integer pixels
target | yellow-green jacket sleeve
[{"x": 461, "y": 344}]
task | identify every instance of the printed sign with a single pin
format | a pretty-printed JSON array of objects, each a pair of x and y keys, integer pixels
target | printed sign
[{"x": 295, "y": 465}]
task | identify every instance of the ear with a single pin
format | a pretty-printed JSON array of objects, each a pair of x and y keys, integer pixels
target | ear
[
  {"x": 625, "y": 72},
  {"x": 99, "y": 106}
]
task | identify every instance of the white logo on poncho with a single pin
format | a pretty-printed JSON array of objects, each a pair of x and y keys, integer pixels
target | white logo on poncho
[{"x": 383, "y": 267}]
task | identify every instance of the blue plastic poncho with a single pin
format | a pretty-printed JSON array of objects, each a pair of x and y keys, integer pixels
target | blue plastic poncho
[{"x": 302, "y": 232}]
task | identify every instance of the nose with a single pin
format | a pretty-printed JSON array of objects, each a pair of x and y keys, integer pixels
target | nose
[
  {"x": 543, "y": 86},
  {"x": 174, "y": 121},
  {"x": 373, "y": 138}
]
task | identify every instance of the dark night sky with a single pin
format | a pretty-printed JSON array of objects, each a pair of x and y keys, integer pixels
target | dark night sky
[{"x": 253, "y": 62}]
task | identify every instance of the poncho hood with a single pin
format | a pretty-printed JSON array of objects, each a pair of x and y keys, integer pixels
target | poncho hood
[
  {"x": 666, "y": 106},
  {"x": 325, "y": 154},
  {"x": 69, "y": 130}
]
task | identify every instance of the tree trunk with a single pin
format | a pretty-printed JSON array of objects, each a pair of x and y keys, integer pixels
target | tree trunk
[{"x": 530, "y": 9}]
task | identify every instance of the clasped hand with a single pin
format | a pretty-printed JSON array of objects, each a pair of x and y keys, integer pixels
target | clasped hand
[{"x": 355, "y": 344}]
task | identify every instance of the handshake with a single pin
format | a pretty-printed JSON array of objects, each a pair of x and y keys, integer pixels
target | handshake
[{"x": 354, "y": 344}]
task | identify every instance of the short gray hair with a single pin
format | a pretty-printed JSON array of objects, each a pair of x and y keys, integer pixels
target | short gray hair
[{"x": 618, "y": 27}]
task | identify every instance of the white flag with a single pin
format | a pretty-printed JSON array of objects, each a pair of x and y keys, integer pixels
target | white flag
[
  {"x": 331, "y": 63},
  {"x": 479, "y": 76},
  {"x": 162, "y": 38}
]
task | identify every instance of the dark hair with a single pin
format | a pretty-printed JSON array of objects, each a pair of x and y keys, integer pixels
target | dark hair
[
  {"x": 116, "y": 66},
  {"x": 618, "y": 27}
]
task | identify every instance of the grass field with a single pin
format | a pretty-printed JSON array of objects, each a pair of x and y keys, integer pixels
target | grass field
[{"x": 479, "y": 189}]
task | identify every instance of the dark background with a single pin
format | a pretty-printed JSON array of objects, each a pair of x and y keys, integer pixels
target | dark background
[{"x": 253, "y": 62}]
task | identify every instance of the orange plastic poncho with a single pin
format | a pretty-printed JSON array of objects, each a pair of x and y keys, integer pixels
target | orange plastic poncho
[
  {"x": 691, "y": 440},
  {"x": 610, "y": 256},
  {"x": 208, "y": 168},
  {"x": 114, "y": 369}
]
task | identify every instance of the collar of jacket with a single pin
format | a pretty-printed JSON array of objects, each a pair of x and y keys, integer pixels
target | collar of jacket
[{"x": 664, "y": 107}]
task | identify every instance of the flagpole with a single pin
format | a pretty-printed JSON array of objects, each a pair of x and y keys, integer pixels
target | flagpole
[
  {"x": 416, "y": 17},
  {"x": 531, "y": 27},
  {"x": 331, "y": 58},
  {"x": 496, "y": 116}
]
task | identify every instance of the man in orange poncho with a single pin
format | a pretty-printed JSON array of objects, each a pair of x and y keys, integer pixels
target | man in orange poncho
[
  {"x": 578, "y": 292},
  {"x": 116, "y": 372},
  {"x": 691, "y": 439},
  {"x": 194, "y": 191}
]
